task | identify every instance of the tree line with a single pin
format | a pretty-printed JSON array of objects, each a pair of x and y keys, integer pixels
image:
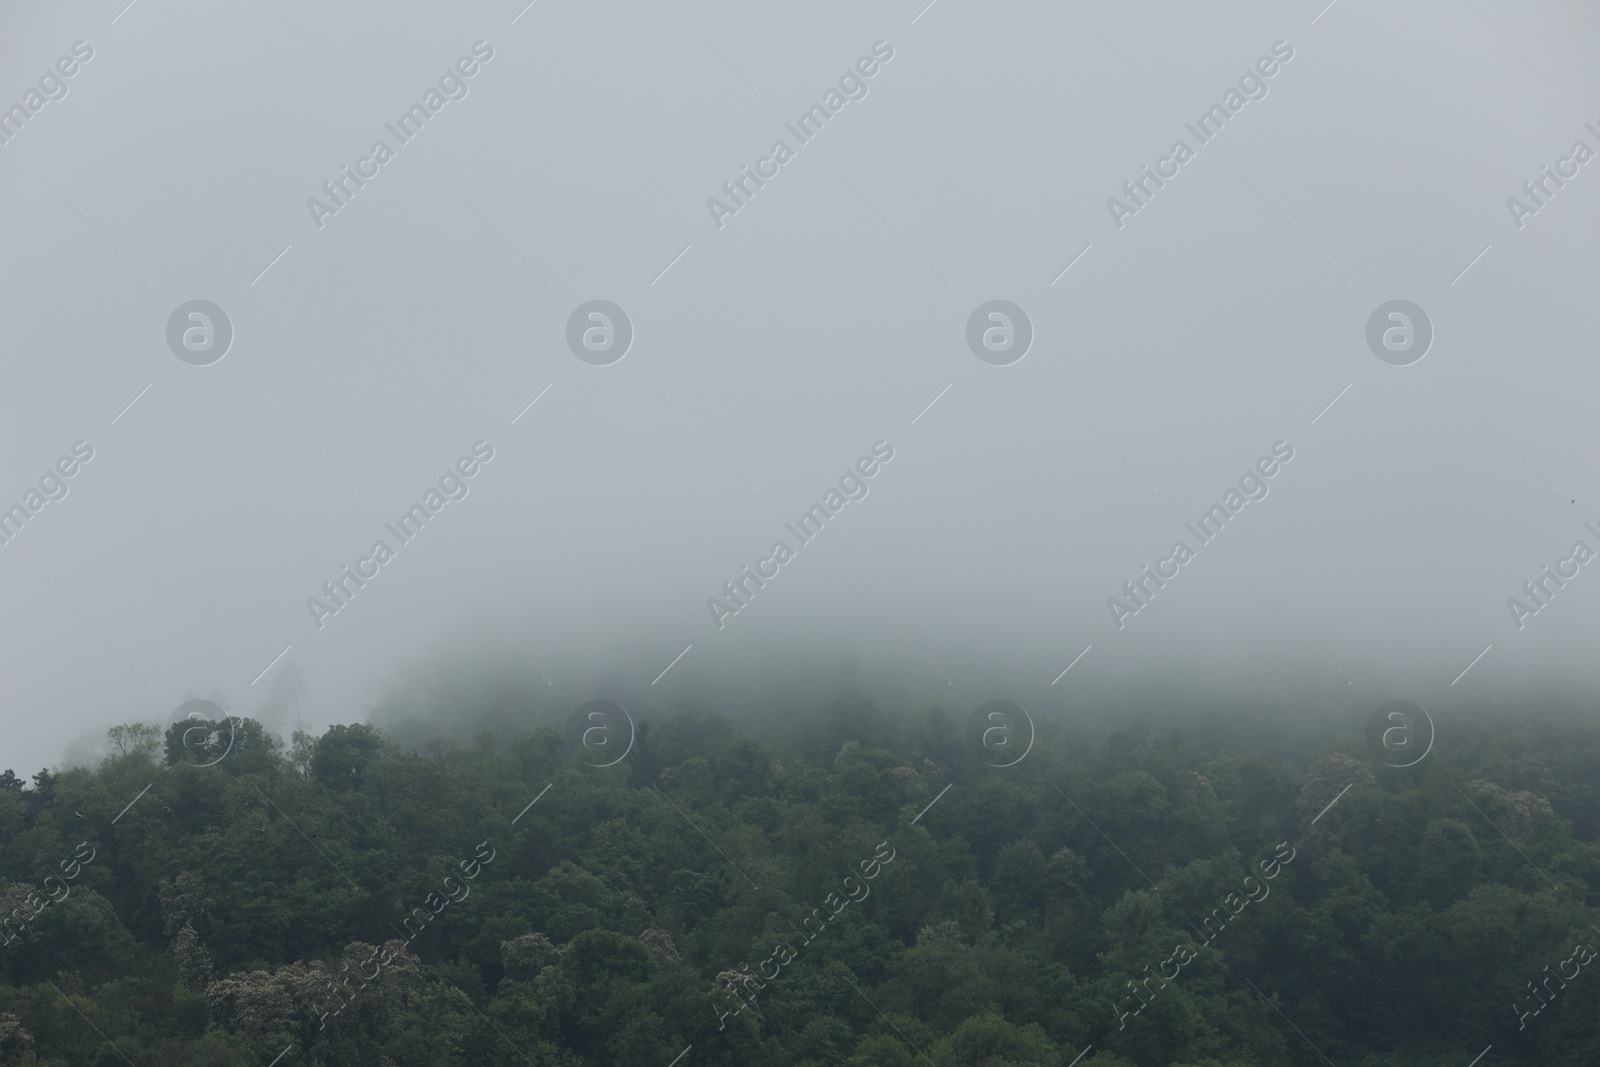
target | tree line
[{"x": 861, "y": 889}]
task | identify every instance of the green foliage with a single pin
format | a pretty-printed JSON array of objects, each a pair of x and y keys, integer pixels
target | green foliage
[{"x": 354, "y": 901}]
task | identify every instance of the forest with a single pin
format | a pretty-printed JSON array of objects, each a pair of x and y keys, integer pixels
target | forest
[{"x": 861, "y": 887}]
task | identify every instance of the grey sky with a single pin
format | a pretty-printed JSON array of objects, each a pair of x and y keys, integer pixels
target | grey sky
[{"x": 371, "y": 353}]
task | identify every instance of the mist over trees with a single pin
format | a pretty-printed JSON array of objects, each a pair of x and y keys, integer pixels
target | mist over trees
[{"x": 861, "y": 885}]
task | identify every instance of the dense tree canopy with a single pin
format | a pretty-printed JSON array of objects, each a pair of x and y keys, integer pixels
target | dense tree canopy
[{"x": 862, "y": 891}]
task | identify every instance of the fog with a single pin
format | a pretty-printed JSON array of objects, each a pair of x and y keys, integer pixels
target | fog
[{"x": 782, "y": 338}]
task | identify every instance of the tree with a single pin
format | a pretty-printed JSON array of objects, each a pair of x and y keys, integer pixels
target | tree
[
  {"x": 340, "y": 757},
  {"x": 44, "y": 786},
  {"x": 644, "y": 762},
  {"x": 991, "y": 1041},
  {"x": 1449, "y": 862},
  {"x": 285, "y": 695},
  {"x": 1020, "y": 881},
  {"x": 137, "y": 738},
  {"x": 302, "y": 746}
]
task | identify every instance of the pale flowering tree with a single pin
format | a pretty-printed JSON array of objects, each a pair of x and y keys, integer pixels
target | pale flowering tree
[
  {"x": 334, "y": 1012},
  {"x": 1327, "y": 779},
  {"x": 1515, "y": 812},
  {"x": 16, "y": 1044},
  {"x": 659, "y": 941},
  {"x": 184, "y": 906},
  {"x": 194, "y": 962},
  {"x": 528, "y": 955},
  {"x": 257, "y": 1004}
]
